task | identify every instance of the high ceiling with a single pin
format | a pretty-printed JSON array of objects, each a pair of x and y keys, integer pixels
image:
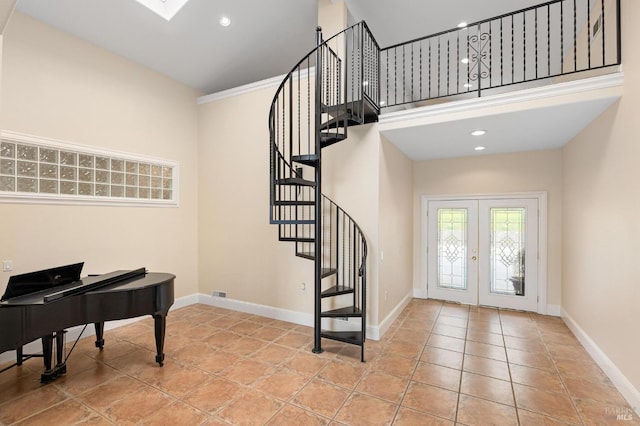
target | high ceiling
[{"x": 265, "y": 38}]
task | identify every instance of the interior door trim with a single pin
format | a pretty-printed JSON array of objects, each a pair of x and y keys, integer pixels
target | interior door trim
[{"x": 541, "y": 196}]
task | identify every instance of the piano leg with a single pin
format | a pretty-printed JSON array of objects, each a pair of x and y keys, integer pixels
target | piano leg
[
  {"x": 160, "y": 325},
  {"x": 50, "y": 374},
  {"x": 61, "y": 365},
  {"x": 19, "y": 356},
  {"x": 47, "y": 348},
  {"x": 99, "y": 326}
]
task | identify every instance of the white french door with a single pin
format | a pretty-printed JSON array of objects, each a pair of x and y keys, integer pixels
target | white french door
[{"x": 483, "y": 252}]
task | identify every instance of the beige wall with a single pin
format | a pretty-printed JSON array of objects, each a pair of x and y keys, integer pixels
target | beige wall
[
  {"x": 57, "y": 86},
  {"x": 491, "y": 174},
  {"x": 601, "y": 232},
  {"x": 239, "y": 251},
  {"x": 351, "y": 177},
  {"x": 395, "y": 228}
]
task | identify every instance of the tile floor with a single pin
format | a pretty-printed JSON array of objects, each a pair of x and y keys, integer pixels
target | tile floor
[{"x": 438, "y": 364}]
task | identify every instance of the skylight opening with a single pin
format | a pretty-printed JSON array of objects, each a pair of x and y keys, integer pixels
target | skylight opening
[{"x": 167, "y": 9}]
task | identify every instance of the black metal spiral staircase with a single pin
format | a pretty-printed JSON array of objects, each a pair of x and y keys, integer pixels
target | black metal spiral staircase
[{"x": 333, "y": 87}]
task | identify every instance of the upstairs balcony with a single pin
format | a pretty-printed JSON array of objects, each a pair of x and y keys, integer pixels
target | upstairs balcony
[{"x": 532, "y": 79}]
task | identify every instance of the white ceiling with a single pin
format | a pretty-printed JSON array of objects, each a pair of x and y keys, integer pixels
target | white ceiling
[
  {"x": 518, "y": 127},
  {"x": 266, "y": 37}
]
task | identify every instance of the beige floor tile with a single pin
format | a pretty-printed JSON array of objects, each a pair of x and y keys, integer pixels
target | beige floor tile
[
  {"x": 431, "y": 400},
  {"x": 214, "y": 395},
  {"x": 176, "y": 413},
  {"x": 437, "y": 375},
  {"x": 246, "y": 371},
  {"x": 408, "y": 349},
  {"x": 30, "y": 403},
  {"x": 555, "y": 405},
  {"x": 137, "y": 406},
  {"x": 292, "y": 415},
  {"x": 409, "y": 417},
  {"x": 542, "y": 379},
  {"x": 528, "y": 418},
  {"x": 485, "y": 350},
  {"x": 395, "y": 365},
  {"x": 474, "y": 411},
  {"x": 282, "y": 383},
  {"x": 385, "y": 386},
  {"x": 487, "y": 387},
  {"x": 321, "y": 397},
  {"x": 486, "y": 367},
  {"x": 67, "y": 412},
  {"x": 598, "y": 413},
  {"x": 365, "y": 410},
  {"x": 306, "y": 363},
  {"x": 252, "y": 408},
  {"x": 442, "y": 357},
  {"x": 344, "y": 374},
  {"x": 446, "y": 342}
]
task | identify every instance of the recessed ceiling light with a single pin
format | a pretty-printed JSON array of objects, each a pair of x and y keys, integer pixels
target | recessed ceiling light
[
  {"x": 225, "y": 21},
  {"x": 480, "y": 148},
  {"x": 478, "y": 132},
  {"x": 462, "y": 24},
  {"x": 465, "y": 60},
  {"x": 165, "y": 8}
]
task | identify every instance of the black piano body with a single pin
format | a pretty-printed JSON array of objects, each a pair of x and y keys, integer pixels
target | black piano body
[{"x": 92, "y": 300}]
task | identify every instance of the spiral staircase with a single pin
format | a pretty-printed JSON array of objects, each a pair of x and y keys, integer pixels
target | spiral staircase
[{"x": 332, "y": 88}]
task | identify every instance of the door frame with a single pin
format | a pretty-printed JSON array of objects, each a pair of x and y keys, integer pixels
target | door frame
[{"x": 541, "y": 196}]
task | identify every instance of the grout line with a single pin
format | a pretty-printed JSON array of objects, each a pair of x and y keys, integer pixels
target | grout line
[{"x": 506, "y": 355}]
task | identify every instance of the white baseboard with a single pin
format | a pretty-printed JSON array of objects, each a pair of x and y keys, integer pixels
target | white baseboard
[
  {"x": 554, "y": 310},
  {"x": 393, "y": 315},
  {"x": 73, "y": 333},
  {"x": 628, "y": 391},
  {"x": 287, "y": 315},
  {"x": 419, "y": 293},
  {"x": 300, "y": 318}
]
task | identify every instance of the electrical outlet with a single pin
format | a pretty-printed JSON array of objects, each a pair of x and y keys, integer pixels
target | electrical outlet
[
  {"x": 7, "y": 265},
  {"x": 303, "y": 287}
]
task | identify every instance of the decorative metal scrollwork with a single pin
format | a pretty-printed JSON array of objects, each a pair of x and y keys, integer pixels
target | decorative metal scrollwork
[{"x": 479, "y": 56}]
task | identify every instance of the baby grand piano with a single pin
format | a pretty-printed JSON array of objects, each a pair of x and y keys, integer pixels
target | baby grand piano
[{"x": 43, "y": 304}]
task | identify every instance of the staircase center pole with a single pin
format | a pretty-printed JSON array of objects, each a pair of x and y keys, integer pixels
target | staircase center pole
[{"x": 317, "y": 345}]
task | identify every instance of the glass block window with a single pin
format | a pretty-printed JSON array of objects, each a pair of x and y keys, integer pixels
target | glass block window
[{"x": 50, "y": 170}]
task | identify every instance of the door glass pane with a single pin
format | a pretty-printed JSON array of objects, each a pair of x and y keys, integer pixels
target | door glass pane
[
  {"x": 452, "y": 248},
  {"x": 507, "y": 251}
]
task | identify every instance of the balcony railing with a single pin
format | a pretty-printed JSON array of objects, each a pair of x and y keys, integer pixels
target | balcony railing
[{"x": 543, "y": 42}]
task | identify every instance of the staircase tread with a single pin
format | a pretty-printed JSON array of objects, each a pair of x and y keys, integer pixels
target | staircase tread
[
  {"x": 306, "y": 255},
  {"x": 307, "y": 159},
  {"x": 295, "y": 181},
  {"x": 349, "y": 311},
  {"x": 297, "y": 239},
  {"x": 293, "y": 221},
  {"x": 294, "y": 203},
  {"x": 327, "y": 272},
  {"x": 337, "y": 290},
  {"x": 352, "y": 337}
]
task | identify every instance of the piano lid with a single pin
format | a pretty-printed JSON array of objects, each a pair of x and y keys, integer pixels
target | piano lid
[{"x": 32, "y": 282}]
